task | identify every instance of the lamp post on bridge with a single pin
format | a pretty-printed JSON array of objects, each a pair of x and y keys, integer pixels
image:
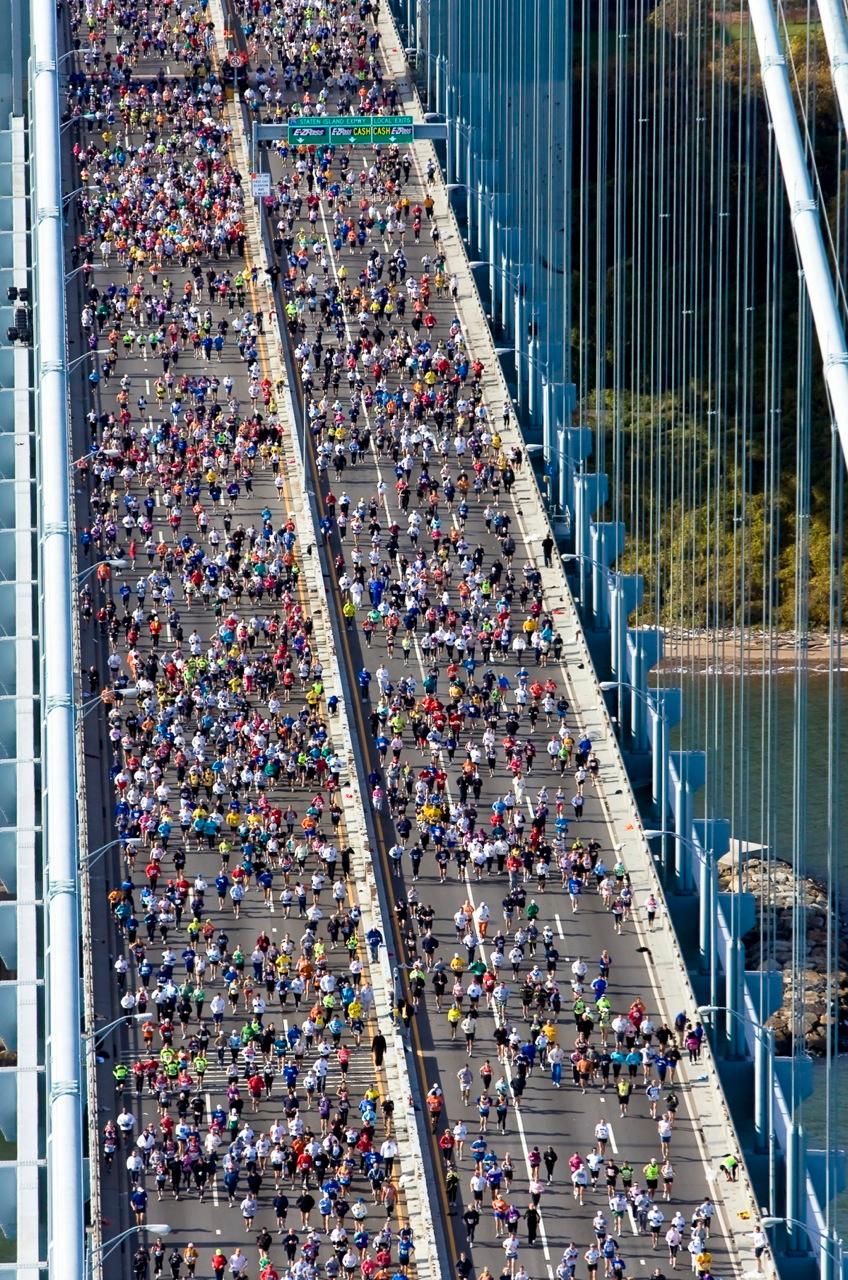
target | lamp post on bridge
[
  {"x": 125, "y": 842},
  {"x": 598, "y": 566},
  {"x": 101, "y": 1252},
  {"x": 125, "y": 1019},
  {"x": 658, "y": 709},
  {"x": 101, "y": 567},
  {"x": 830, "y": 1246},
  {"x": 707, "y": 901},
  {"x": 763, "y": 1086}
]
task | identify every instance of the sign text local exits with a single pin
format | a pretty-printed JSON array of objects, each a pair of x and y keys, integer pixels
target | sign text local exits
[{"x": 345, "y": 131}]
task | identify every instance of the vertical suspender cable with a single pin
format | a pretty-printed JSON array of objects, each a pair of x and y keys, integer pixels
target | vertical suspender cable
[
  {"x": 728, "y": 516},
  {"x": 601, "y": 197},
  {"x": 689, "y": 316},
  {"x": 747, "y": 310},
  {"x": 769, "y": 826},
  {"x": 835, "y": 694},
  {"x": 674, "y": 477},
  {"x": 64, "y": 1139},
  {"x": 635, "y": 510},
  {"x": 714, "y": 327},
  {"x": 567, "y": 279},
  {"x": 670, "y": 216},
  {"x": 652, "y": 232},
  {"x": 799, "y": 730},
  {"x": 620, "y": 255},
  {"x": 835, "y": 834},
  {"x": 658, "y": 201},
  {"x": 584, "y": 233},
  {"x": 694, "y": 76}
]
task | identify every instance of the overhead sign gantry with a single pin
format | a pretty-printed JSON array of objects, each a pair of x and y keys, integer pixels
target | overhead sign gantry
[{"x": 347, "y": 131}]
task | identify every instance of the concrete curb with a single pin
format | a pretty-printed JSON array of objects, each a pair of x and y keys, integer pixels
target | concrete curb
[
  {"x": 705, "y": 1098},
  {"x": 412, "y": 1158}
]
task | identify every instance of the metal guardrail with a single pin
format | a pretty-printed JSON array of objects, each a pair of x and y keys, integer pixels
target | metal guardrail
[
  {"x": 429, "y": 1256},
  {"x": 89, "y": 1049},
  {"x": 433, "y": 1257},
  {"x": 626, "y": 815},
  {"x": 65, "y": 1226}
]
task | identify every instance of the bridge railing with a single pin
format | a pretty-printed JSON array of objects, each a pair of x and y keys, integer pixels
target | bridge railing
[{"x": 65, "y": 1173}]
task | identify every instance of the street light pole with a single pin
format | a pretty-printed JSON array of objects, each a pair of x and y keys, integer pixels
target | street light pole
[
  {"x": 72, "y": 275},
  {"x": 89, "y": 116},
  {"x": 607, "y": 686},
  {"x": 102, "y": 1251},
  {"x": 537, "y": 365},
  {"x": 86, "y": 355},
  {"x": 763, "y": 1088},
  {"x": 598, "y": 569},
  {"x": 96, "y": 854},
  {"x": 830, "y": 1246},
  {"x": 99, "y": 1032},
  {"x": 707, "y": 904},
  {"x": 462, "y": 127},
  {"x": 114, "y": 562},
  {"x": 658, "y": 709},
  {"x": 513, "y": 278},
  {"x": 70, "y": 195},
  {"x": 112, "y": 700}
]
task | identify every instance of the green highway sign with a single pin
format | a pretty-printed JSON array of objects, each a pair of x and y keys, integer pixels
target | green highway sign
[
  {"x": 389, "y": 131},
  {"x": 306, "y": 134},
  {"x": 341, "y": 131},
  {"x": 340, "y": 135}
]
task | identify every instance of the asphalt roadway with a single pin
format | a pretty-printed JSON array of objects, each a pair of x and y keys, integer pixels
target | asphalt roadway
[
  {"x": 564, "y": 1118},
  {"x": 208, "y": 1224}
]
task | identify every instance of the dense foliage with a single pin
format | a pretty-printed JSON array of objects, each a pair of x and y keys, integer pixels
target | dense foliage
[{"x": 717, "y": 461}]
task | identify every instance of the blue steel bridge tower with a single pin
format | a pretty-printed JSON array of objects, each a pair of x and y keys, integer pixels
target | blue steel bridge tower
[{"x": 653, "y": 196}]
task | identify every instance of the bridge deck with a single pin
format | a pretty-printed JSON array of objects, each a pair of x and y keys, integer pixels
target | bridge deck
[{"x": 565, "y": 1118}]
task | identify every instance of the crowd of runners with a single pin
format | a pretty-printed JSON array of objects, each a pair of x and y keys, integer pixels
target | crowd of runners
[
  {"x": 247, "y": 1083},
  {"x": 459, "y": 677},
  {"x": 255, "y": 1072}
]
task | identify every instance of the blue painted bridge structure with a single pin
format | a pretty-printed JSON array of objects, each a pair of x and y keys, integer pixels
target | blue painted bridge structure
[{"x": 654, "y": 237}]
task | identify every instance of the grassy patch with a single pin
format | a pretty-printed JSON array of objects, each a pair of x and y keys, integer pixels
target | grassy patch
[{"x": 737, "y": 31}]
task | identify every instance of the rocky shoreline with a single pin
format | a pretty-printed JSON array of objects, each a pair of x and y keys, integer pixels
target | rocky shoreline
[
  {"x": 774, "y": 886},
  {"x": 730, "y": 652}
]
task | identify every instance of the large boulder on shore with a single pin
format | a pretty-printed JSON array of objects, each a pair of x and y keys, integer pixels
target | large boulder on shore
[{"x": 770, "y": 945}]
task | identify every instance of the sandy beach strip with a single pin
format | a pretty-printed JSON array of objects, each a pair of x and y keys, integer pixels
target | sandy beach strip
[{"x": 753, "y": 653}]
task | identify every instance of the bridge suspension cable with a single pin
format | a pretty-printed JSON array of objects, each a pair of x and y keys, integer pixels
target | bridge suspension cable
[{"x": 804, "y": 212}]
